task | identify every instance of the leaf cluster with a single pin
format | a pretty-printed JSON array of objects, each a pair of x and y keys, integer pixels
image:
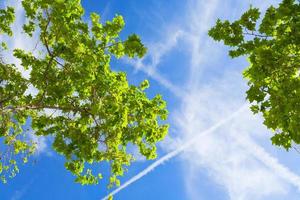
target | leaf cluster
[
  {"x": 91, "y": 111},
  {"x": 273, "y": 50}
]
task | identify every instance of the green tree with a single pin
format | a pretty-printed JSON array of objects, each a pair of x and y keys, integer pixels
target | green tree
[
  {"x": 96, "y": 113},
  {"x": 273, "y": 49}
]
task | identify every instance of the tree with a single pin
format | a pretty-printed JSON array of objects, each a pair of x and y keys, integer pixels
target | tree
[
  {"x": 94, "y": 112},
  {"x": 273, "y": 50}
]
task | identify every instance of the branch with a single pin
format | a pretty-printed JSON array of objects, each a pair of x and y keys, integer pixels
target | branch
[
  {"x": 52, "y": 56},
  {"x": 114, "y": 44},
  {"x": 40, "y": 107},
  {"x": 10, "y": 97},
  {"x": 255, "y": 34}
]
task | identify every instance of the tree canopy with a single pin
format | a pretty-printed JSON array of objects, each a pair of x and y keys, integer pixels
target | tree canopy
[
  {"x": 272, "y": 45},
  {"x": 91, "y": 112}
]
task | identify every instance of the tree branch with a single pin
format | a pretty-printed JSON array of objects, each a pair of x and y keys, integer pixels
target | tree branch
[
  {"x": 255, "y": 34},
  {"x": 40, "y": 107}
]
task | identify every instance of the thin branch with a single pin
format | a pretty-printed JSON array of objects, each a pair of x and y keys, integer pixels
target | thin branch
[
  {"x": 114, "y": 44},
  {"x": 52, "y": 56},
  {"x": 255, "y": 34},
  {"x": 39, "y": 107}
]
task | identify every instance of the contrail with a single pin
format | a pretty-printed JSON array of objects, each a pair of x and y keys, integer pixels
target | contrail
[
  {"x": 260, "y": 154},
  {"x": 175, "y": 152},
  {"x": 151, "y": 72}
]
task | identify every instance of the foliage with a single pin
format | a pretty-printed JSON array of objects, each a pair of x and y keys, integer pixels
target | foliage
[
  {"x": 273, "y": 47},
  {"x": 92, "y": 112}
]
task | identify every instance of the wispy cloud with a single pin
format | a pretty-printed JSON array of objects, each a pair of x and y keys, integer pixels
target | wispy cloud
[
  {"x": 174, "y": 153},
  {"x": 19, "y": 194},
  {"x": 19, "y": 39},
  {"x": 22, "y": 41},
  {"x": 40, "y": 142},
  {"x": 232, "y": 156},
  {"x": 153, "y": 58}
]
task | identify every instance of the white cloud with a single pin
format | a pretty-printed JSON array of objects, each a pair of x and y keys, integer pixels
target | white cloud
[
  {"x": 22, "y": 41},
  {"x": 232, "y": 159},
  {"x": 232, "y": 155},
  {"x": 178, "y": 149},
  {"x": 40, "y": 142},
  {"x": 19, "y": 39},
  {"x": 155, "y": 53},
  {"x": 158, "y": 50}
]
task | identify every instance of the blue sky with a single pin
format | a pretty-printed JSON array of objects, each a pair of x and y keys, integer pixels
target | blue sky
[{"x": 202, "y": 87}]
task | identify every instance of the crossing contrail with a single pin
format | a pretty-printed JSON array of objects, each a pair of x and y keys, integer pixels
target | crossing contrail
[
  {"x": 176, "y": 152},
  {"x": 260, "y": 154}
]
